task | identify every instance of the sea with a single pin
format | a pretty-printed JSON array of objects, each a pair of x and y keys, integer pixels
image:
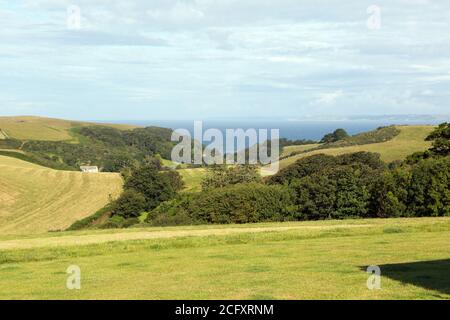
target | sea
[{"x": 289, "y": 129}]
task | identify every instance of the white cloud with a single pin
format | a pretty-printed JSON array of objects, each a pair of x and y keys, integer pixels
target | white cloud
[
  {"x": 284, "y": 56},
  {"x": 329, "y": 98}
]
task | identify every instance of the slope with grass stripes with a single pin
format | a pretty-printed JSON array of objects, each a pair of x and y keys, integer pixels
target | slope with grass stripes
[{"x": 35, "y": 199}]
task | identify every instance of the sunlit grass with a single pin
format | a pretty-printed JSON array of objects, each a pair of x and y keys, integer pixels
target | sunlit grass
[{"x": 301, "y": 263}]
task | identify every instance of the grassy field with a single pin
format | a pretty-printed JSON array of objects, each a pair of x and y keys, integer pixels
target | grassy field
[
  {"x": 35, "y": 199},
  {"x": 304, "y": 260},
  {"x": 411, "y": 139},
  {"x": 288, "y": 150},
  {"x": 37, "y": 128},
  {"x": 192, "y": 178}
]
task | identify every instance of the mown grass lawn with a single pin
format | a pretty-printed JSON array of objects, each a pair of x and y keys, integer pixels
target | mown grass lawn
[{"x": 311, "y": 260}]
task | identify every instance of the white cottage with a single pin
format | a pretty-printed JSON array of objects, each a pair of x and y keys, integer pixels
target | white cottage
[{"x": 89, "y": 169}]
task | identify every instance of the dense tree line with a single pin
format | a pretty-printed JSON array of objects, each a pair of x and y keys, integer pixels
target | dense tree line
[
  {"x": 357, "y": 185},
  {"x": 240, "y": 203},
  {"x": 108, "y": 148},
  {"x": 223, "y": 175}
]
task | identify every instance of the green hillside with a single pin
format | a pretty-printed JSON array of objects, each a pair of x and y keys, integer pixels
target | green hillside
[
  {"x": 39, "y": 128},
  {"x": 411, "y": 139}
]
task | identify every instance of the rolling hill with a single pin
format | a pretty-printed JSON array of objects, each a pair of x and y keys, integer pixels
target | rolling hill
[
  {"x": 48, "y": 129},
  {"x": 35, "y": 199},
  {"x": 410, "y": 139}
]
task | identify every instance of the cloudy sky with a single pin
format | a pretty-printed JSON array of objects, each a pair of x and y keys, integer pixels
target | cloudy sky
[{"x": 199, "y": 59}]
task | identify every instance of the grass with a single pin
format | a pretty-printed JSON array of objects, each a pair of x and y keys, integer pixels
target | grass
[
  {"x": 38, "y": 128},
  {"x": 192, "y": 179},
  {"x": 303, "y": 260},
  {"x": 288, "y": 150},
  {"x": 410, "y": 139},
  {"x": 35, "y": 199}
]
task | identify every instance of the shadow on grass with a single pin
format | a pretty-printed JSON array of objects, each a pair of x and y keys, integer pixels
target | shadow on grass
[{"x": 434, "y": 275}]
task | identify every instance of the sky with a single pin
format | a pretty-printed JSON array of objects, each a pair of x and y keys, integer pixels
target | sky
[{"x": 202, "y": 59}]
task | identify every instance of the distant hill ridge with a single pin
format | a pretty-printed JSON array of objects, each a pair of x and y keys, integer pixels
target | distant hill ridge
[
  {"x": 47, "y": 129},
  {"x": 67, "y": 145}
]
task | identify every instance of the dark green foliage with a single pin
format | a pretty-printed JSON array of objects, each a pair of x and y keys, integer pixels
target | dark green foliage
[
  {"x": 10, "y": 144},
  {"x": 130, "y": 204},
  {"x": 241, "y": 203},
  {"x": 89, "y": 221},
  {"x": 373, "y": 160},
  {"x": 43, "y": 161},
  {"x": 420, "y": 189},
  {"x": 388, "y": 195},
  {"x": 156, "y": 186},
  {"x": 300, "y": 142},
  {"x": 221, "y": 176},
  {"x": 441, "y": 140},
  {"x": 381, "y": 134},
  {"x": 108, "y": 148},
  {"x": 337, "y": 135},
  {"x": 316, "y": 163},
  {"x": 302, "y": 168},
  {"x": 334, "y": 192},
  {"x": 428, "y": 190},
  {"x": 440, "y": 148},
  {"x": 130, "y": 222}
]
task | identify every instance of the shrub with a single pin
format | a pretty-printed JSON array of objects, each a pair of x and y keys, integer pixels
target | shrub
[
  {"x": 334, "y": 193},
  {"x": 302, "y": 168},
  {"x": 418, "y": 189},
  {"x": 129, "y": 205},
  {"x": 316, "y": 163},
  {"x": 240, "y": 203},
  {"x": 154, "y": 185},
  {"x": 129, "y": 222},
  {"x": 441, "y": 140},
  {"x": 337, "y": 135},
  {"x": 221, "y": 176},
  {"x": 89, "y": 221}
]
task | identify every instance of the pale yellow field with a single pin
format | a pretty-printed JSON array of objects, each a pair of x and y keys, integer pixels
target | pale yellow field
[
  {"x": 411, "y": 139},
  {"x": 35, "y": 199},
  {"x": 3, "y": 135},
  {"x": 290, "y": 149},
  {"x": 37, "y": 128}
]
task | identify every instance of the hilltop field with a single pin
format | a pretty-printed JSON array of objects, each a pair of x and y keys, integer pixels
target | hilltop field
[
  {"x": 45, "y": 129},
  {"x": 411, "y": 139}
]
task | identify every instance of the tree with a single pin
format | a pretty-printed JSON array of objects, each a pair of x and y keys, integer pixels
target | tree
[
  {"x": 221, "y": 176},
  {"x": 338, "y": 134},
  {"x": 417, "y": 189},
  {"x": 428, "y": 190},
  {"x": 129, "y": 205},
  {"x": 302, "y": 168},
  {"x": 154, "y": 185},
  {"x": 441, "y": 140},
  {"x": 316, "y": 163},
  {"x": 335, "y": 192},
  {"x": 240, "y": 203}
]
